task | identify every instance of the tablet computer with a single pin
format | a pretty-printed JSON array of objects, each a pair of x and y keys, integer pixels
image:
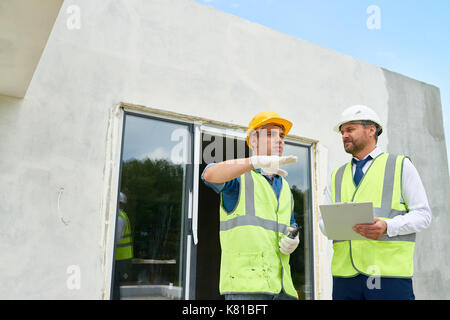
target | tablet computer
[{"x": 339, "y": 219}]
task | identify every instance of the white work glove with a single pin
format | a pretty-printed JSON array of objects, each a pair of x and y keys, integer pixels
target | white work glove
[
  {"x": 270, "y": 164},
  {"x": 288, "y": 245}
]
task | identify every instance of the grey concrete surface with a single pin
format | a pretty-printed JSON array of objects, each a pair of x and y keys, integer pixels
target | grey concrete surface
[{"x": 416, "y": 129}]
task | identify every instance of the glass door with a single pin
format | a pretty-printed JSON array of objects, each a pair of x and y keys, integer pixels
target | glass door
[
  {"x": 155, "y": 183},
  {"x": 299, "y": 179}
]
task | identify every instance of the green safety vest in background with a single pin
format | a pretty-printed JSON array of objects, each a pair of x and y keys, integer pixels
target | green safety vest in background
[
  {"x": 124, "y": 248},
  {"x": 381, "y": 185},
  {"x": 251, "y": 260}
]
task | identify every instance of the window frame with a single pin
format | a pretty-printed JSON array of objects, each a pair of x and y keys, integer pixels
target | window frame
[
  {"x": 188, "y": 252},
  {"x": 198, "y": 126}
]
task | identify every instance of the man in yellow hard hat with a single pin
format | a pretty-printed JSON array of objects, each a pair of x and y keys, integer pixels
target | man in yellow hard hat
[
  {"x": 380, "y": 267},
  {"x": 256, "y": 214}
]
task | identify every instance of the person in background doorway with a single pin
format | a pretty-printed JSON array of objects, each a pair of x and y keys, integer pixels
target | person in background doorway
[
  {"x": 256, "y": 214},
  {"x": 124, "y": 247}
]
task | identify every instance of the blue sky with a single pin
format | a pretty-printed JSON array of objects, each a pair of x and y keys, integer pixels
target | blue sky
[{"x": 413, "y": 37}]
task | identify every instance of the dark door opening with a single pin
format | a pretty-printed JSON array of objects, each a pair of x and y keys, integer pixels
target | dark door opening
[{"x": 208, "y": 248}]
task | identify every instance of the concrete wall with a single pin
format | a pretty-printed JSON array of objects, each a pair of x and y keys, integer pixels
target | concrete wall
[
  {"x": 58, "y": 143},
  {"x": 416, "y": 129}
]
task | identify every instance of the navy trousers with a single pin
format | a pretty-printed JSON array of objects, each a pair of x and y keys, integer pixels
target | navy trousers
[{"x": 362, "y": 287}]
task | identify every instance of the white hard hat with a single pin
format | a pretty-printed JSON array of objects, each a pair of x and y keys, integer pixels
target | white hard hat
[
  {"x": 123, "y": 197},
  {"x": 359, "y": 113}
]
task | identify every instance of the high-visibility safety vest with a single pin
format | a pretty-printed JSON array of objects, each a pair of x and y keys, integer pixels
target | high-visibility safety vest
[
  {"x": 381, "y": 185},
  {"x": 124, "y": 248},
  {"x": 251, "y": 260}
]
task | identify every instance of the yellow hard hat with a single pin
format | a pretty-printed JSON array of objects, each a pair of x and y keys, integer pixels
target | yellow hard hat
[{"x": 267, "y": 117}]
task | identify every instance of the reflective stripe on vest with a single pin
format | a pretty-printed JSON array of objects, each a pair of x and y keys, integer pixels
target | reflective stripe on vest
[
  {"x": 388, "y": 256},
  {"x": 251, "y": 261},
  {"x": 124, "y": 248}
]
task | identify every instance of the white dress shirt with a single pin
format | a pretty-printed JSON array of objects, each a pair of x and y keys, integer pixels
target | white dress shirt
[
  {"x": 413, "y": 195},
  {"x": 119, "y": 228}
]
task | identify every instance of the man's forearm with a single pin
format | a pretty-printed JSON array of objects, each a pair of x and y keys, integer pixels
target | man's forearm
[{"x": 227, "y": 170}]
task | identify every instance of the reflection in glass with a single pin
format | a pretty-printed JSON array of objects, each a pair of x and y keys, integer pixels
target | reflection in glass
[{"x": 153, "y": 179}]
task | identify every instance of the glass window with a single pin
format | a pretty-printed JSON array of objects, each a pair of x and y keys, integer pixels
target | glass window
[
  {"x": 153, "y": 180},
  {"x": 299, "y": 179},
  {"x": 153, "y": 224}
]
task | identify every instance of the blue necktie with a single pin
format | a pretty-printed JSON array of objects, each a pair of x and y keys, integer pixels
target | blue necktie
[{"x": 358, "y": 172}]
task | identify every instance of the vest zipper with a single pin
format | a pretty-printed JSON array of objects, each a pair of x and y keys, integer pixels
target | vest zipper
[
  {"x": 357, "y": 186},
  {"x": 278, "y": 236},
  {"x": 353, "y": 197},
  {"x": 278, "y": 239}
]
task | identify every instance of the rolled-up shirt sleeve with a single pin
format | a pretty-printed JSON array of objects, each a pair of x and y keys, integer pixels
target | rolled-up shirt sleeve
[
  {"x": 217, "y": 187},
  {"x": 229, "y": 189}
]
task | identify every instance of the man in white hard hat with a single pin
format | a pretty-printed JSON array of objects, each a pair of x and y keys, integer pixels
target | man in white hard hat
[
  {"x": 256, "y": 214},
  {"x": 380, "y": 267}
]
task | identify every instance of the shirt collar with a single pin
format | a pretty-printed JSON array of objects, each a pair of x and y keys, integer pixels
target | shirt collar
[
  {"x": 260, "y": 171},
  {"x": 375, "y": 153}
]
